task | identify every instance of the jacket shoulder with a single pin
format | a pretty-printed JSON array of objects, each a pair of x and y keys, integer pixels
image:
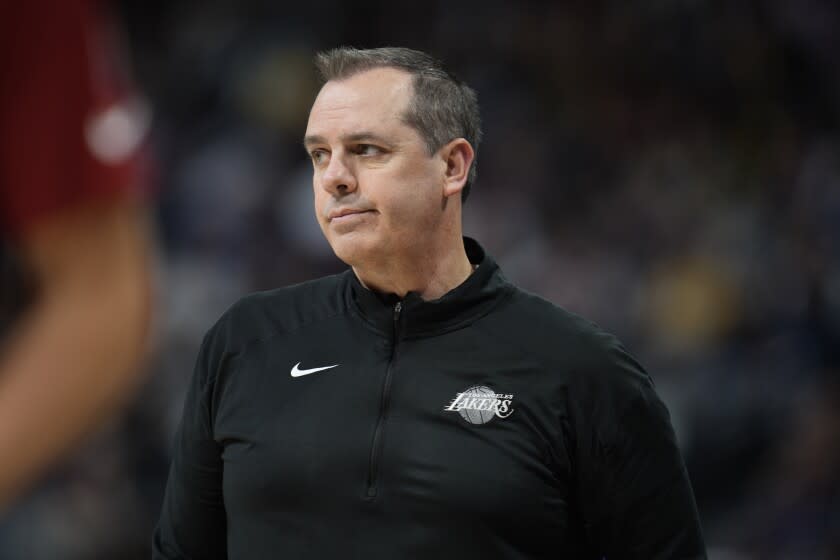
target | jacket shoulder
[
  {"x": 264, "y": 314},
  {"x": 569, "y": 343},
  {"x": 547, "y": 324}
]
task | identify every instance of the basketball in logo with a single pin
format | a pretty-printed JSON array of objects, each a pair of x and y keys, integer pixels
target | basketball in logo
[{"x": 479, "y": 415}]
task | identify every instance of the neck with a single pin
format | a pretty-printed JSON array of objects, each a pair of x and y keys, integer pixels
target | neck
[{"x": 430, "y": 272}]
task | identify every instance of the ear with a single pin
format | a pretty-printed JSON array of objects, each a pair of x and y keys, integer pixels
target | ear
[{"x": 458, "y": 156}]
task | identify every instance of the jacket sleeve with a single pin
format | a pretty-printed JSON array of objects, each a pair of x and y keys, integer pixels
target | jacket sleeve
[
  {"x": 192, "y": 523},
  {"x": 633, "y": 487}
]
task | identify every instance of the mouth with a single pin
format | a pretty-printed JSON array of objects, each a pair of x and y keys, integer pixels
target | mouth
[{"x": 346, "y": 213}]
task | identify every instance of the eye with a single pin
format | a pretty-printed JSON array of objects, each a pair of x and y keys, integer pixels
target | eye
[
  {"x": 318, "y": 156},
  {"x": 368, "y": 150}
]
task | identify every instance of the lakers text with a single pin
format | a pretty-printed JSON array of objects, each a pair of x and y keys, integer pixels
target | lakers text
[{"x": 472, "y": 400}]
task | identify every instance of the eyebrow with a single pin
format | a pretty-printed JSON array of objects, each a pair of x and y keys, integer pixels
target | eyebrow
[{"x": 355, "y": 137}]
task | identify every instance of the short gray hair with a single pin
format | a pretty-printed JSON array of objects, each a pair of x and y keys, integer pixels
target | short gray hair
[{"x": 443, "y": 107}]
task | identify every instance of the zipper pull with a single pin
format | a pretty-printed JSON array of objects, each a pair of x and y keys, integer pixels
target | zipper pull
[{"x": 397, "y": 310}]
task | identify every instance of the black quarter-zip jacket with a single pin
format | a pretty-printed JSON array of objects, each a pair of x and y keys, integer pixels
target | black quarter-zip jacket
[{"x": 326, "y": 421}]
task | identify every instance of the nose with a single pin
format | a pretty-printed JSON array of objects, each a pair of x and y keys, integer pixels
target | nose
[{"x": 338, "y": 179}]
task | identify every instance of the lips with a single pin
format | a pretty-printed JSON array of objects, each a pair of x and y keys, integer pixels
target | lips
[{"x": 346, "y": 212}]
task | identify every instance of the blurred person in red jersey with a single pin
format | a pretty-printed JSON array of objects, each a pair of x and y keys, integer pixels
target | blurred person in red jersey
[{"x": 74, "y": 246}]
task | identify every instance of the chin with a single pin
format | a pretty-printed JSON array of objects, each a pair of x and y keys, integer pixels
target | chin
[{"x": 355, "y": 249}]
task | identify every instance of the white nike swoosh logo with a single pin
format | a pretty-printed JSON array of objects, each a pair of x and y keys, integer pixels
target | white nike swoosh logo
[{"x": 296, "y": 372}]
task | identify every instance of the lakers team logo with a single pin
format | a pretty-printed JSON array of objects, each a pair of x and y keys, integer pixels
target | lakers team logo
[{"x": 480, "y": 404}]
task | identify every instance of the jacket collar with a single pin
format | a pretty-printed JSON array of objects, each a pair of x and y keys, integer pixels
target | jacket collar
[{"x": 485, "y": 288}]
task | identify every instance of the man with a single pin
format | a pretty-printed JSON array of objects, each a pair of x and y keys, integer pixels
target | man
[
  {"x": 74, "y": 245},
  {"x": 417, "y": 405}
]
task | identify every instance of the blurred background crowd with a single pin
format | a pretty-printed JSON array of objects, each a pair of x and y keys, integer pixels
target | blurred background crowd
[{"x": 670, "y": 170}]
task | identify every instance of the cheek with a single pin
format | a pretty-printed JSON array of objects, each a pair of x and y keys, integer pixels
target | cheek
[
  {"x": 319, "y": 203},
  {"x": 417, "y": 190},
  {"x": 417, "y": 203}
]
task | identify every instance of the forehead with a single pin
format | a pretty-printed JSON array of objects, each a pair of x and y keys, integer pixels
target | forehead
[{"x": 371, "y": 100}]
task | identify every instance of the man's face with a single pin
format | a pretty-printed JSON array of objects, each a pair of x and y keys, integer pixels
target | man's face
[{"x": 378, "y": 194}]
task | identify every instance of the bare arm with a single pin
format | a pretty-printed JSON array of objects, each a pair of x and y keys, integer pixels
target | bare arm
[{"x": 73, "y": 358}]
